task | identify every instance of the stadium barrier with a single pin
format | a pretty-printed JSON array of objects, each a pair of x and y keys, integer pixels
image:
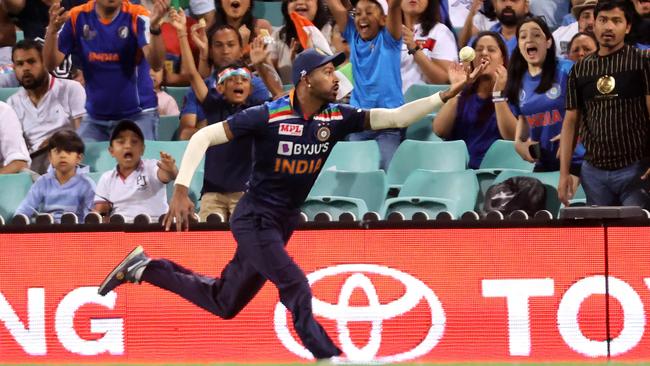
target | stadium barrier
[{"x": 423, "y": 293}]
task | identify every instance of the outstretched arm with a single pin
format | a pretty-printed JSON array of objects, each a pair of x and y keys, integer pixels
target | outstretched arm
[
  {"x": 52, "y": 57},
  {"x": 178, "y": 21},
  {"x": 394, "y": 18},
  {"x": 339, "y": 13}
]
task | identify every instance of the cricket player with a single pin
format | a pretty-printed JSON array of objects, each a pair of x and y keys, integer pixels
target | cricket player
[{"x": 293, "y": 137}]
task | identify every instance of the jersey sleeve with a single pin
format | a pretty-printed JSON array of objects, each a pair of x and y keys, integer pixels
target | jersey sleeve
[
  {"x": 250, "y": 121},
  {"x": 646, "y": 70},
  {"x": 66, "y": 41},
  {"x": 191, "y": 106},
  {"x": 354, "y": 120},
  {"x": 142, "y": 28}
]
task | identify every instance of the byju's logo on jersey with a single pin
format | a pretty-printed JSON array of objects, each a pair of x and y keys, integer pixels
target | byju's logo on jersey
[
  {"x": 285, "y": 148},
  {"x": 290, "y": 129}
]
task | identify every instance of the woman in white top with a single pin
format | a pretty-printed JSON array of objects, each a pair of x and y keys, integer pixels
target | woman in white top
[
  {"x": 286, "y": 45},
  {"x": 429, "y": 47}
]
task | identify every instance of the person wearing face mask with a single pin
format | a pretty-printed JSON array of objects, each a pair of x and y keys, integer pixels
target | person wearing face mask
[
  {"x": 470, "y": 116},
  {"x": 509, "y": 14},
  {"x": 534, "y": 97},
  {"x": 584, "y": 13}
]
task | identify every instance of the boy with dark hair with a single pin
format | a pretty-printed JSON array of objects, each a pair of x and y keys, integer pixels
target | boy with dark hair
[
  {"x": 609, "y": 93},
  {"x": 136, "y": 186},
  {"x": 65, "y": 187}
]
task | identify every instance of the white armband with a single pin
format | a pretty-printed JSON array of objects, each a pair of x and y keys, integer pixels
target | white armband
[
  {"x": 208, "y": 136},
  {"x": 406, "y": 115}
]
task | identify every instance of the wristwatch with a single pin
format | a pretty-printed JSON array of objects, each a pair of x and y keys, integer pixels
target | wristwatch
[
  {"x": 412, "y": 51},
  {"x": 155, "y": 31}
]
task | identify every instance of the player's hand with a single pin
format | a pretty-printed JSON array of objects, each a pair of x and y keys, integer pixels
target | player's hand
[
  {"x": 409, "y": 37},
  {"x": 523, "y": 149},
  {"x": 565, "y": 189},
  {"x": 181, "y": 209},
  {"x": 57, "y": 17},
  {"x": 462, "y": 76},
  {"x": 160, "y": 8},
  {"x": 500, "y": 78},
  {"x": 167, "y": 162}
]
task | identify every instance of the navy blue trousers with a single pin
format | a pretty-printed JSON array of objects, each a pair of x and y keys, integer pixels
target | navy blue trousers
[{"x": 261, "y": 234}]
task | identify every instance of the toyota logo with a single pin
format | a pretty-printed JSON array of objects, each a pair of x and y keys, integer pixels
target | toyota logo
[{"x": 374, "y": 313}]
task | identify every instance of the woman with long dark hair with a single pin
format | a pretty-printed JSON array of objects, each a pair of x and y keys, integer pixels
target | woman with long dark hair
[
  {"x": 429, "y": 47},
  {"x": 534, "y": 96},
  {"x": 470, "y": 116},
  {"x": 239, "y": 15},
  {"x": 286, "y": 45}
]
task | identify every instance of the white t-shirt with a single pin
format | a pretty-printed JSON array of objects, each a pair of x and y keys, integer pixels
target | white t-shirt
[
  {"x": 458, "y": 12},
  {"x": 562, "y": 38},
  {"x": 200, "y": 7},
  {"x": 140, "y": 192},
  {"x": 64, "y": 101},
  {"x": 439, "y": 44},
  {"x": 483, "y": 23},
  {"x": 12, "y": 143}
]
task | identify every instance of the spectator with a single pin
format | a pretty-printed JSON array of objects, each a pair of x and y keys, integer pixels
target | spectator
[
  {"x": 429, "y": 47},
  {"x": 536, "y": 89},
  {"x": 553, "y": 11},
  {"x": 509, "y": 14},
  {"x": 44, "y": 104},
  {"x": 166, "y": 104},
  {"x": 14, "y": 155},
  {"x": 470, "y": 116},
  {"x": 640, "y": 34},
  {"x": 239, "y": 15},
  {"x": 227, "y": 167},
  {"x": 65, "y": 187},
  {"x": 581, "y": 46},
  {"x": 286, "y": 46},
  {"x": 30, "y": 16},
  {"x": 135, "y": 186},
  {"x": 7, "y": 35},
  {"x": 584, "y": 12},
  {"x": 608, "y": 95},
  {"x": 225, "y": 49},
  {"x": 375, "y": 39},
  {"x": 110, "y": 54}
]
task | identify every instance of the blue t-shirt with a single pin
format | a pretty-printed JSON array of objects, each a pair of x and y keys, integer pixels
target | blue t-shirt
[
  {"x": 109, "y": 54},
  {"x": 511, "y": 43},
  {"x": 544, "y": 114},
  {"x": 290, "y": 149},
  {"x": 376, "y": 69},
  {"x": 148, "y": 97},
  {"x": 476, "y": 124}
]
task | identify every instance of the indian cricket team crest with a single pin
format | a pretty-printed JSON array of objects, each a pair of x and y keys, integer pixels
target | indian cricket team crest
[
  {"x": 123, "y": 32},
  {"x": 554, "y": 92},
  {"x": 87, "y": 33},
  {"x": 323, "y": 134},
  {"x": 606, "y": 84}
]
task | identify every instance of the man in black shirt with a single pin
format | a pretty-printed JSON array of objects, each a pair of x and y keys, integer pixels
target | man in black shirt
[{"x": 608, "y": 96}]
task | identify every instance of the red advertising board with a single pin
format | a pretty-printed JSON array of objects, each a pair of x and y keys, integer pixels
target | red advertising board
[{"x": 532, "y": 294}]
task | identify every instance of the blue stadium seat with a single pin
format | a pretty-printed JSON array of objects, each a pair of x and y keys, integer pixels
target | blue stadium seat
[
  {"x": 417, "y": 91},
  {"x": 5, "y": 93},
  {"x": 337, "y": 192},
  {"x": 168, "y": 127},
  {"x": 422, "y": 130},
  {"x": 433, "y": 192},
  {"x": 269, "y": 10},
  {"x": 14, "y": 189},
  {"x": 355, "y": 156},
  {"x": 412, "y": 155},
  {"x": 97, "y": 156}
]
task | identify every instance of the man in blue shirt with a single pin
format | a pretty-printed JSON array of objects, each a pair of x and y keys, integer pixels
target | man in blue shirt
[
  {"x": 292, "y": 138},
  {"x": 509, "y": 14}
]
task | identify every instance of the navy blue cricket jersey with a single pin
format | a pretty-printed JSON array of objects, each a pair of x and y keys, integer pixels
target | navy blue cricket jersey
[{"x": 290, "y": 149}]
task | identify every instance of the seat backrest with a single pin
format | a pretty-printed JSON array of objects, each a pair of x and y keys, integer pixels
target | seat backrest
[
  {"x": 371, "y": 187},
  {"x": 14, "y": 189},
  {"x": 461, "y": 187},
  {"x": 422, "y": 130},
  {"x": 176, "y": 149},
  {"x": 355, "y": 156},
  {"x": 550, "y": 181},
  {"x": 178, "y": 93},
  {"x": 411, "y": 155},
  {"x": 97, "y": 157},
  {"x": 95, "y": 176},
  {"x": 167, "y": 127},
  {"x": 417, "y": 91},
  {"x": 502, "y": 155},
  {"x": 269, "y": 10},
  {"x": 5, "y": 93}
]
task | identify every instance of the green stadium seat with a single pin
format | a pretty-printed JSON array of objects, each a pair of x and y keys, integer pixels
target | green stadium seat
[
  {"x": 176, "y": 149},
  {"x": 500, "y": 156},
  {"x": 287, "y": 87},
  {"x": 412, "y": 155},
  {"x": 417, "y": 91},
  {"x": 178, "y": 93},
  {"x": 422, "y": 130},
  {"x": 355, "y": 156},
  {"x": 5, "y": 93},
  {"x": 337, "y": 192},
  {"x": 433, "y": 192},
  {"x": 269, "y": 10},
  {"x": 14, "y": 189},
  {"x": 20, "y": 35},
  {"x": 97, "y": 156},
  {"x": 95, "y": 176},
  {"x": 195, "y": 189},
  {"x": 168, "y": 127},
  {"x": 550, "y": 181}
]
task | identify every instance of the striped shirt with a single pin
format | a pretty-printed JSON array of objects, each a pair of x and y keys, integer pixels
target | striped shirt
[{"x": 609, "y": 92}]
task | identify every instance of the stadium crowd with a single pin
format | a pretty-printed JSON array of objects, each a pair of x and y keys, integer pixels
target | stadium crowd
[{"x": 568, "y": 82}]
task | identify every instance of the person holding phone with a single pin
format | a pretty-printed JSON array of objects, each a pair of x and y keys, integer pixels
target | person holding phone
[{"x": 534, "y": 97}]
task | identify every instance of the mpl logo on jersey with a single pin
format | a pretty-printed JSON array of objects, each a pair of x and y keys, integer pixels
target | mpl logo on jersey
[{"x": 290, "y": 129}]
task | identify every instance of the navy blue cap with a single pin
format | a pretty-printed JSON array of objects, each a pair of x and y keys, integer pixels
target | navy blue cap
[
  {"x": 126, "y": 125},
  {"x": 311, "y": 59}
]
